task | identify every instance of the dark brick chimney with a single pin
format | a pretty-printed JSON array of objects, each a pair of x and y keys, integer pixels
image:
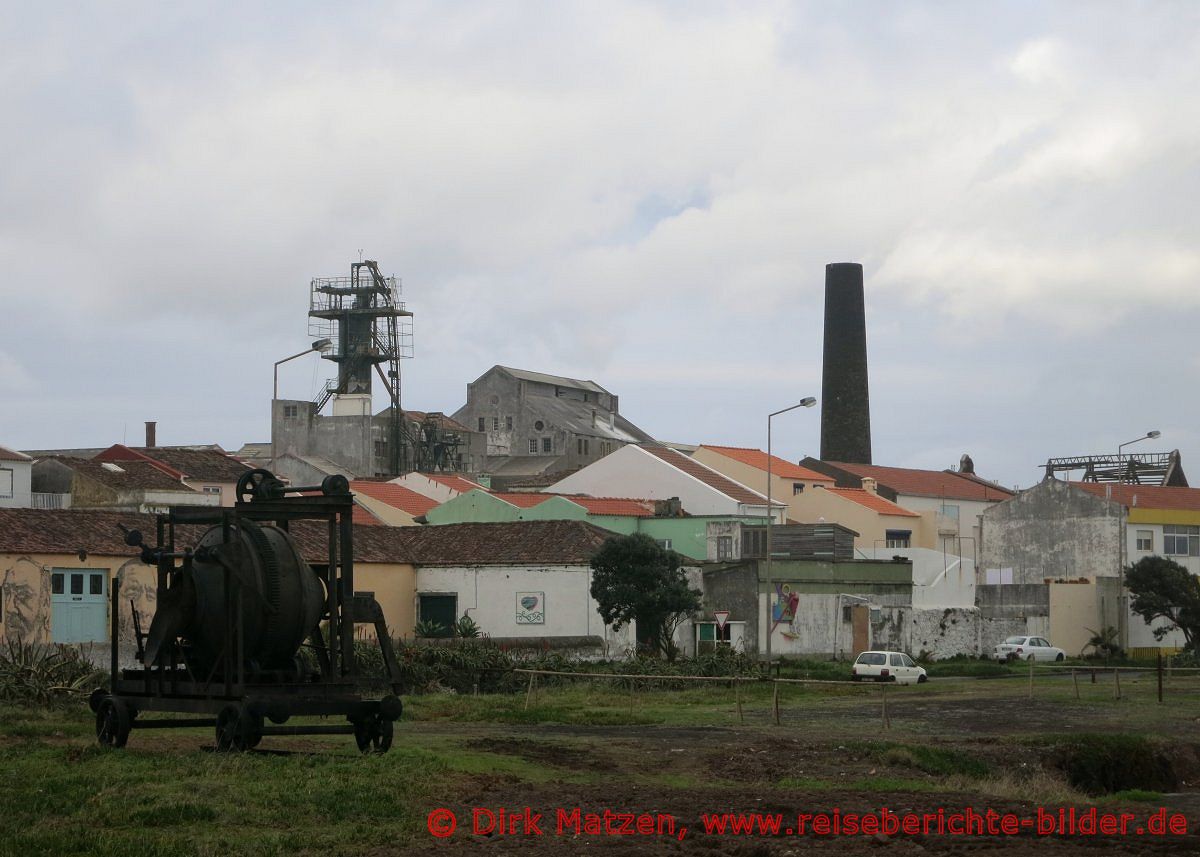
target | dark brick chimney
[{"x": 845, "y": 403}]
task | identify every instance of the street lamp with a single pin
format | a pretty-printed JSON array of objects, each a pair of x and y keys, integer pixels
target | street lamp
[
  {"x": 806, "y": 402},
  {"x": 321, "y": 345},
  {"x": 1147, "y": 436}
]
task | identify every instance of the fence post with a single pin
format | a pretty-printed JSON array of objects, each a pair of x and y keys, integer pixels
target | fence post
[
  {"x": 529, "y": 691},
  {"x": 1075, "y": 678},
  {"x": 1031, "y": 676},
  {"x": 737, "y": 695},
  {"x": 1117, "y": 677},
  {"x": 632, "y": 690},
  {"x": 1160, "y": 676},
  {"x": 887, "y": 721},
  {"x": 775, "y": 701}
]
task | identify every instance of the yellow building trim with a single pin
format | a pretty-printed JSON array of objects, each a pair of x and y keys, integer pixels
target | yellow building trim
[{"x": 1139, "y": 515}]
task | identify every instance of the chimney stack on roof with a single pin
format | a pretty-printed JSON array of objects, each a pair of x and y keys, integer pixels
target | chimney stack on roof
[
  {"x": 845, "y": 403},
  {"x": 965, "y": 464},
  {"x": 150, "y": 426}
]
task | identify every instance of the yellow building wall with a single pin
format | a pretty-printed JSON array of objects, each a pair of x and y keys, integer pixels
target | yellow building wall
[
  {"x": 754, "y": 478},
  {"x": 395, "y": 588},
  {"x": 1074, "y": 608},
  {"x": 25, "y": 604},
  {"x": 26, "y": 607},
  {"x": 1139, "y": 515},
  {"x": 385, "y": 512}
]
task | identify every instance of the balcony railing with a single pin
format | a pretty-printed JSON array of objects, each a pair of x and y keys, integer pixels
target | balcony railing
[{"x": 50, "y": 501}]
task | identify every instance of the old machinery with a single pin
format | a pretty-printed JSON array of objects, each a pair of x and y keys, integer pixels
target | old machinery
[{"x": 246, "y": 630}]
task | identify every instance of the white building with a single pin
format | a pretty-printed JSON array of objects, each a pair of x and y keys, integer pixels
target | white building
[{"x": 14, "y": 479}]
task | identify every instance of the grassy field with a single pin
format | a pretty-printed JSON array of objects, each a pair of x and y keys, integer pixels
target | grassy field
[{"x": 168, "y": 793}]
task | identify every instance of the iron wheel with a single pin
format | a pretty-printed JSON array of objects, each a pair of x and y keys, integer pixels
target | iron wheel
[
  {"x": 373, "y": 734},
  {"x": 113, "y": 722}
]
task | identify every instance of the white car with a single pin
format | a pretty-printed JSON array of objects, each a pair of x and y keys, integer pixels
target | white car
[
  {"x": 1027, "y": 649},
  {"x": 887, "y": 666}
]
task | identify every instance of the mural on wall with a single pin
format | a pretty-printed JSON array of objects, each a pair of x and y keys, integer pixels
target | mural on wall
[
  {"x": 138, "y": 592},
  {"x": 531, "y": 608},
  {"x": 784, "y": 605},
  {"x": 25, "y": 603}
]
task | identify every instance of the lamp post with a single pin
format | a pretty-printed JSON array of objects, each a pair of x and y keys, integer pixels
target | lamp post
[
  {"x": 321, "y": 345},
  {"x": 806, "y": 402},
  {"x": 1147, "y": 436}
]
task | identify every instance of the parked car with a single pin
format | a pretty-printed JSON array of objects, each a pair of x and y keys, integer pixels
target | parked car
[
  {"x": 887, "y": 666},
  {"x": 1027, "y": 649}
]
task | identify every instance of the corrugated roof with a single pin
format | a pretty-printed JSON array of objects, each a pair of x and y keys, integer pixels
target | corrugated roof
[
  {"x": 7, "y": 454},
  {"x": 872, "y": 501},
  {"x": 710, "y": 477},
  {"x": 927, "y": 483},
  {"x": 1145, "y": 496},
  {"x": 557, "y": 380},
  {"x": 758, "y": 459},
  {"x": 398, "y": 496}
]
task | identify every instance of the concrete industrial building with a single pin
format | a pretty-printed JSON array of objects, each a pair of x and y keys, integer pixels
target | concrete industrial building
[{"x": 538, "y": 424}]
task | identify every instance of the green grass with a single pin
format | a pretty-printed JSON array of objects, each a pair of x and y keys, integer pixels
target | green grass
[{"x": 937, "y": 761}]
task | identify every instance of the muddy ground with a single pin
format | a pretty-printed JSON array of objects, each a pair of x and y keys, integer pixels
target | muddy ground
[{"x": 684, "y": 772}]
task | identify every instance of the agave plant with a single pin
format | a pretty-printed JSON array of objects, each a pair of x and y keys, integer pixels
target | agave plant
[{"x": 37, "y": 674}]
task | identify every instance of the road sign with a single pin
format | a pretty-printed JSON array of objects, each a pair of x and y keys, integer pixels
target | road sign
[{"x": 722, "y": 616}]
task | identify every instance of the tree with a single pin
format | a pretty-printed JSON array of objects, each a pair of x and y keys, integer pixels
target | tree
[
  {"x": 637, "y": 580},
  {"x": 1164, "y": 589}
]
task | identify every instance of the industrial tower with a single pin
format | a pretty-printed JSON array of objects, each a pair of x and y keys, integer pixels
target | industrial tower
[{"x": 370, "y": 328}]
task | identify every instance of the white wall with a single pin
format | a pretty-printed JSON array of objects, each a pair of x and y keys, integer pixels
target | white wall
[
  {"x": 939, "y": 579},
  {"x": 488, "y": 594},
  {"x": 426, "y": 487},
  {"x": 1140, "y": 634},
  {"x": 14, "y": 484},
  {"x": 633, "y": 472}
]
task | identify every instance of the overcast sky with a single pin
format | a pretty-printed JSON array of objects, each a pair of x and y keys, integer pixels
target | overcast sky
[{"x": 642, "y": 194}]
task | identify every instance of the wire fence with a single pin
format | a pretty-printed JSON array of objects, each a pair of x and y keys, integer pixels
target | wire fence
[{"x": 1086, "y": 684}]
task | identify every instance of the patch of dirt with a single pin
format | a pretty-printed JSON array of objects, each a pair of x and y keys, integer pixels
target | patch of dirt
[{"x": 547, "y": 753}]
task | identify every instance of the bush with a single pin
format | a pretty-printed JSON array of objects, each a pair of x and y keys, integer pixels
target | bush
[
  {"x": 1107, "y": 764},
  {"x": 35, "y": 674}
]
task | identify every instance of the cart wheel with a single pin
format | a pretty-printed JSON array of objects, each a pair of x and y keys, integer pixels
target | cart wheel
[
  {"x": 373, "y": 735},
  {"x": 113, "y": 721},
  {"x": 237, "y": 729}
]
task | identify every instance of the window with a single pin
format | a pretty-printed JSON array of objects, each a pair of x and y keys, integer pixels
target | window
[
  {"x": 1179, "y": 540},
  {"x": 754, "y": 541},
  {"x": 907, "y": 661},
  {"x": 381, "y": 448},
  {"x": 897, "y": 660},
  {"x": 211, "y": 489},
  {"x": 56, "y": 583},
  {"x": 547, "y": 445},
  {"x": 724, "y": 547},
  {"x": 898, "y": 538},
  {"x": 665, "y": 544},
  {"x": 495, "y": 424},
  {"x": 797, "y": 488},
  {"x": 581, "y": 445},
  {"x": 876, "y": 659},
  {"x": 77, "y": 584},
  {"x": 508, "y": 423},
  {"x": 482, "y": 424},
  {"x": 290, "y": 412},
  {"x": 1145, "y": 540},
  {"x": 539, "y": 425},
  {"x": 950, "y": 511},
  {"x": 439, "y": 612},
  {"x": 533, "y": 446},
  {"x": 95, "y": 584}
]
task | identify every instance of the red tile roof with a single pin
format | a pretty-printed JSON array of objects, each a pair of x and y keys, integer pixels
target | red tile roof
[
  {"x": 622, "y": 506},
  {"x": 1145, "y": 496},
  {"x": 398, "y": 496},
  {"x": 872, "y": 501},
  {"x": 364, "y": 516},
  {"x": 511, "y": 543},
  {"x": 710, "y": 477},
  {"x": 522, "y": 499},
  {"x": 129, "y": 475},
  {"x": 758, "y": 458},
  {"x": 453, "y": 481},
  {"x": 7, "y": 454},
  {"x": 928, "y": 483}
]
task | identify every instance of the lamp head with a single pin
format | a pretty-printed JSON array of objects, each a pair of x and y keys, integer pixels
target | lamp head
[
  {"x": 322, "y": 345},
  {"x": 808, "y": 401},
  {"x": 1154, "y": 434}
]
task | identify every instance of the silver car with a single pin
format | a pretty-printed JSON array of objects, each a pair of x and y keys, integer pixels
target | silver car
[{"x": 1027, "y": 649}]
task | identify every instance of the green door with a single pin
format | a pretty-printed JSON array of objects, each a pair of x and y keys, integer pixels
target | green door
[
  {"x": 442, "y": 609},
  {"x": 78, "y": 605}
]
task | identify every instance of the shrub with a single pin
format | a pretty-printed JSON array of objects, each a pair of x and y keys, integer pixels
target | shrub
[{"x": 36, "y": 674}]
